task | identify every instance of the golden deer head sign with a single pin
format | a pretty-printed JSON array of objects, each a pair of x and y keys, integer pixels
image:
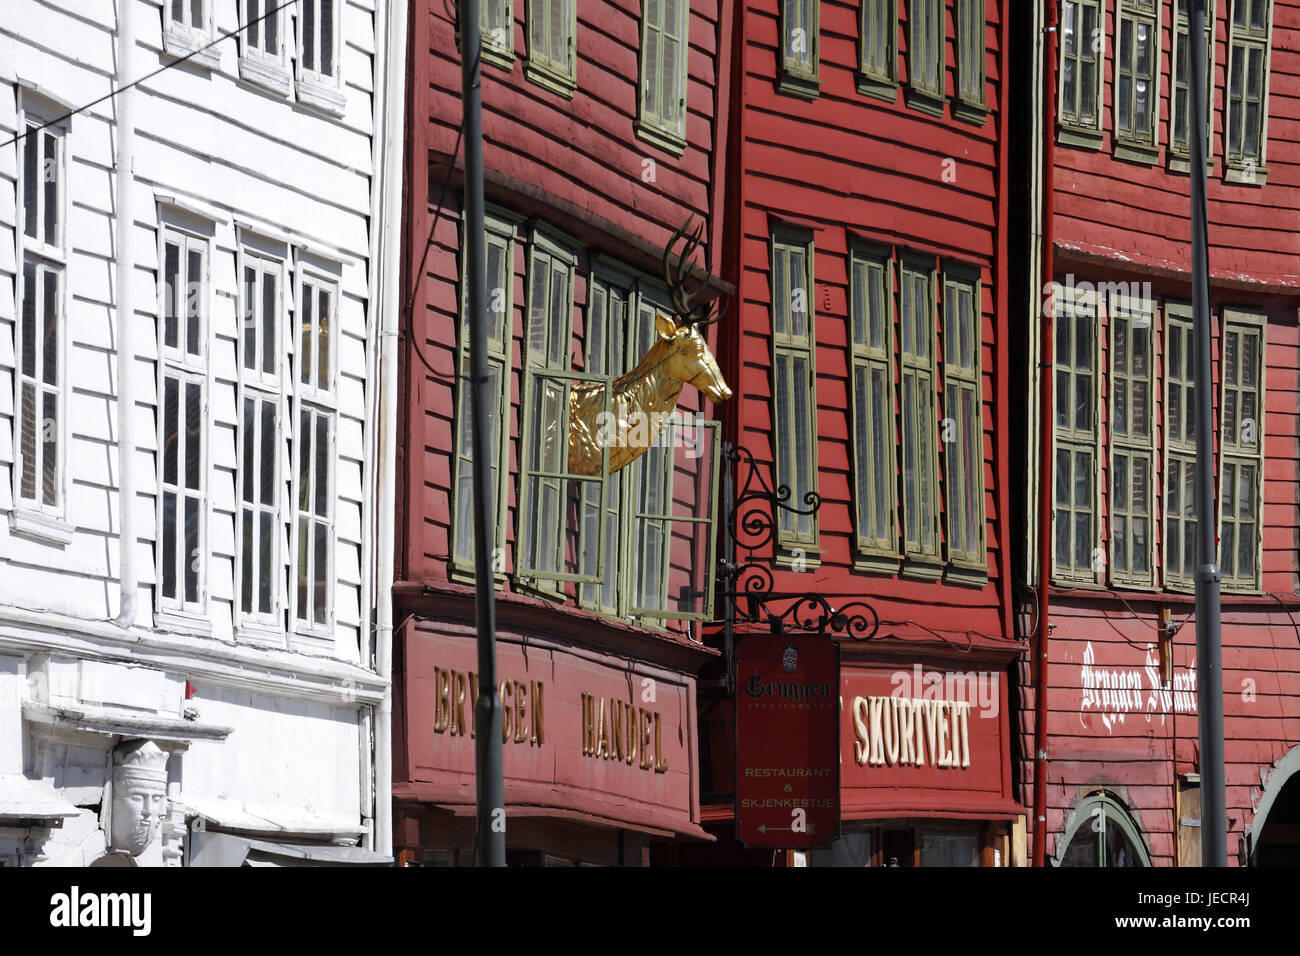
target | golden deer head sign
[{"x": 645, "y": 397}]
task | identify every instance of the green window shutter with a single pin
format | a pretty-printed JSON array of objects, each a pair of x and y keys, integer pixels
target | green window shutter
[
  {"x": 1077, "y": 557},
  {"x": 962, "y": 429},
  {"x": 1241, "y": 449},
  {"x": 1132, "y": 438},
  {"x": 794, "y": 386},
  {"x": 918, "y": 444},
  {"x": 871, "y": 408},
  {"x": 1180, "y": 447},
  {"x": 500, "y": 283}
]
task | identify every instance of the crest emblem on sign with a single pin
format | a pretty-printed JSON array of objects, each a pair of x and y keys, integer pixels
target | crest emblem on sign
[{"x": 789, "y": 658}]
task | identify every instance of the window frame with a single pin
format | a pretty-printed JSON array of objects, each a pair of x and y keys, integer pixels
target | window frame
[
  {"x": 651, "y": 126},
  {"x": 800, "y": 77},
  {"x": 264, "y": 68},
  {"x": 262, "y": 388},
  {"x": 182, "y": 38},
  {"x": 786, "y": 541},
  {"x": 971, "y": 565},
  {"x": 970, "y": 102},
  {"x": 1110, "y": 810},
  {"x": 1129, "y": 310},
  {"x": 925, "y": 559},
  {"x": 1236, "y": 453},
  {"x": 541, "y": 68},
  {"x": 33, "y": 517},
  {"x": 1072, "y": 127},
  {"x": 501, "y": 54},
  {"x": 320, "y": 403},
  {"x": 502, "y": 227},
  {"x": 1178, "y": 315},
  {"x": 921, "y": 94},
  {"x": 1239, "y": 168},
  {"x": 187, "y": 368},
  {"x": 1076, "y": 439},
  {"x": 1180, "y": 156},
  {"x": 1126, "y": 142},
  {"x": 873, "y": 553},
  {"x": 316, "y": 87},
  {"x": 872, "y": 82}
]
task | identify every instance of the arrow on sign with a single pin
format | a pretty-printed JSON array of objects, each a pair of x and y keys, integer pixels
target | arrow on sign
[{"x": 811, "y": 828}]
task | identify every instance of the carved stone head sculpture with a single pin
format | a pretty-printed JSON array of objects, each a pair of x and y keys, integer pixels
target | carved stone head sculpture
[{"x": 139, "y": 795}]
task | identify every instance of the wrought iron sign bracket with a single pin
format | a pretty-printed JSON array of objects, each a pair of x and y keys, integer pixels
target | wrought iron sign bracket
[{"x": 751, "y": 511}]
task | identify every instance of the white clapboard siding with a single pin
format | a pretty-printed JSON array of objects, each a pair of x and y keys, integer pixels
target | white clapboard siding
[{"x": 220, "y": 143}]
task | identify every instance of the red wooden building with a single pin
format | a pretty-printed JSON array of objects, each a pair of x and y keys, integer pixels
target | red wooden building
[
  {"x": 601, "y": 138},
  {"x": 866, "y": 234},
  {"x": 1122, "y": 762}
]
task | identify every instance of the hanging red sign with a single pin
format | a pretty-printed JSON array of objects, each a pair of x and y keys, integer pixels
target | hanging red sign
[{"x": 787, "y": 742}]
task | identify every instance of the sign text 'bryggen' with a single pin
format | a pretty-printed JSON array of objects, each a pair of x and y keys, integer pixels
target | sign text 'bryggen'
[
  {"x": 523, "y": 711},
  {"x": 902, "y": 731}
]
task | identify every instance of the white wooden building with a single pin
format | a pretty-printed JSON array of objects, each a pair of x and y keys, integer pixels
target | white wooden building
[{"x": 237, "y": 628}]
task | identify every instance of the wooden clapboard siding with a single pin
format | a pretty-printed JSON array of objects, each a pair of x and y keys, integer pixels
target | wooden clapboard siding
[
  {"x": 203, "y": 135},
  {"x": 576, "y": 165},
  {"x": 851, "y": 166}
]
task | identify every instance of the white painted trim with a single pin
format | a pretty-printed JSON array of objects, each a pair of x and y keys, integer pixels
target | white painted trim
[
  {"x": 194, "y": 207},
  {"x": 272, "y": 670}
]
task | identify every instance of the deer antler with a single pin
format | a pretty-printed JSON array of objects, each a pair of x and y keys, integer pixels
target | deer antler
[{"x": 684, "y": 306}]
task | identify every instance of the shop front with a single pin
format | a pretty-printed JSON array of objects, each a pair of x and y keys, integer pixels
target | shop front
[
  {"x": 599, "y": 750},
  {"x": 925, "y": 767}
]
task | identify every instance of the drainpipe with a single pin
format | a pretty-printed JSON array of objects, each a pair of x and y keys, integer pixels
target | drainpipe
[
  {"x": 125, "y": 316},
  {"x": 389, "y": 308},
  {"x": 1045, "y": 420}
]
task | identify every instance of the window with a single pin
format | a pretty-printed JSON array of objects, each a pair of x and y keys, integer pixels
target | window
[
  {"x": 182, "y": 445},
  {"x": 925, "y": 47},
  {"x": 920, "y": 454},
  {"x": 259, "y": 431},
  {"x": 1075, "y": 367},
  {"x": 187, "y": 27},
  {"x": 38, "y": 468},
  {"x": 319, "y": 70},
  {"x": 1180, "y": 447},
  {"x": 1083, "y": 42},
  {"x": 497, "y": 31},
  {"x": 1246, "y": 113},
  {"x": 187, "y": 14},
  {"x": 1101, "y": 833},
  {"x": 1137, "y": 54},
  {"x": 871, "y": 310},
  {"x": 970, "y": 55},
  {"x": 500, "y": 265},
  {"x": 878, "y": 49},
  {"x": 552, "y": 32},
  {"x": 1241, "y": 449},
  {"x": 794, "y": 406},
  {"x": 664, "y": 48},
  {"x": 800, "y": 39},
  {"x": 551, "y": 490},
  {"x": 261, "y": 51},
  {"x": 1181, "y": 110},
  {"x": 314, "y": 464},
  {"x": 963, "y": 429},
  {"x": 1132, "y": 452}
]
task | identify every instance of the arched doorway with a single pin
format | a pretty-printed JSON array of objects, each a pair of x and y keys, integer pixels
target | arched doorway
[
  {"x": 1275, "y": 838},
  {"x": 1102, "y": 834}
]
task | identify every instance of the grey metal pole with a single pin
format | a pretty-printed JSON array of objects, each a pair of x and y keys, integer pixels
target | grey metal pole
[
  {"x": 490, "y": 840},
  {"x": 1209, "y": 650}
]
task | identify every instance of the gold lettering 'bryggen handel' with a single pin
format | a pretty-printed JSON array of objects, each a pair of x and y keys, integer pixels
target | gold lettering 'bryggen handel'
[
  {"x": 523, "y": 711},
  {"x": 613, "y": 729}
]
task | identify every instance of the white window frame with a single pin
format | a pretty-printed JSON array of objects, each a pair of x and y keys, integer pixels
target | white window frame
[
  {"x": 659, "y": 126},
  {"x": 260, "y": 387},
  {"x": 186, "y": 368},
  {"x": 34, "y": 518},
  {"x": 316, "y": 87},
  {"x": 1241, "y": 168},
  {"x": 184, "y": 37},
  {"x": 257, "y": 65}
]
